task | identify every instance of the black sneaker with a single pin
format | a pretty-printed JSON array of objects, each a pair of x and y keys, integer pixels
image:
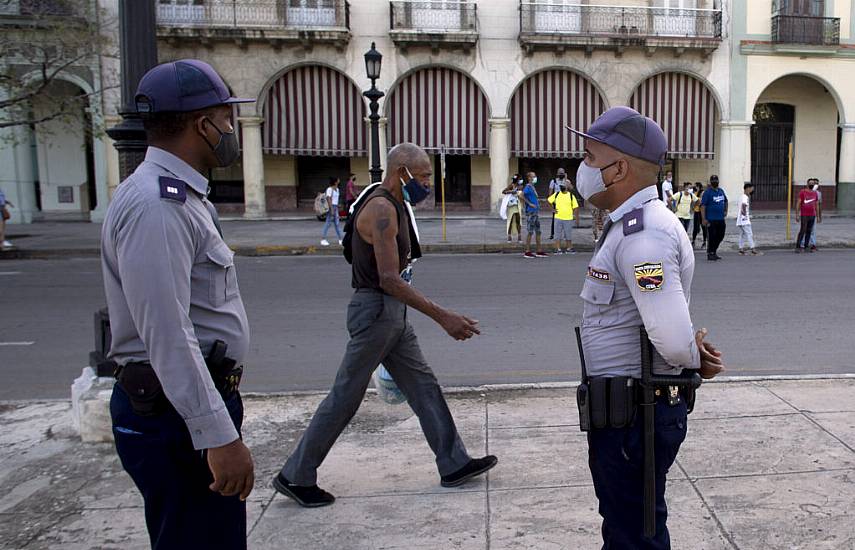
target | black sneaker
[
  {"x": 307, "y": 497},
  {"x": 475, "y": 467}
]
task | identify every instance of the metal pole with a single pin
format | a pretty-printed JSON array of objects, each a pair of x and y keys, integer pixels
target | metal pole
[
  {"x": 138, "y": 52},
  {"x": 442, "y": 186},
  {"x": 789, "y": 186},
  {"x": 373, "y": 96}
]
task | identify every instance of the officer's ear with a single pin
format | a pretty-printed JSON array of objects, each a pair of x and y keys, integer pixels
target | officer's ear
[{"x": 622, "y": 168}]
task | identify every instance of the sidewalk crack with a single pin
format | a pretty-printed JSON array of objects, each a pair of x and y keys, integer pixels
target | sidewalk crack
[
  {"x": 706, "y": 504},
  {"x": 264, "y": 508},
  {"x": 811, "y": 420},
  {"x": 488, "y": 525}
]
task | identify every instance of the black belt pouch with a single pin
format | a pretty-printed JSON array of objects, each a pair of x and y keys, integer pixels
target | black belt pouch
[
  {"x": 621, "y": 401},
  {"x": 140, "y": 382},
  {"x": 583, "y": 402},
  {"x": 599, "y": 402}
]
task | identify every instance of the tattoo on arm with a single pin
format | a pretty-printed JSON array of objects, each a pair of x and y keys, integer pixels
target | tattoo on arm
[{"x": 382, "y": 224}]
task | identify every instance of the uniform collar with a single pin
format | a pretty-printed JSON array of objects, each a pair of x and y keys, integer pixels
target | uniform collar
[
  {"x": 645, "y": 195},
  {"x": 179, "y": 169}
]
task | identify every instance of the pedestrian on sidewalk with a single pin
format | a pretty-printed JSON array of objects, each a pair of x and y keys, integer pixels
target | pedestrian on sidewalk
[
  {"x": 532, "y": 213},
  {"x": 555, "y": 187},
  {"x": 4, "y": 215},
  {"x": 332, "y": 195},
  {"x": 743, "y": 222},
  {"x": 640, "y": 275},
  {"x": 808, "y": 209},
  {"x": 713, "y": 213},
  {"x": 350, "y": 192},
  {"x": 684, "y": 205},
  {"x": 178, "y": 324},
  {"x": 566, "y": 209},
  {"x": 598, "y": 216},
  {"x": 380, "y": 331},
  {"x": 668, "y": 190},
  {"x": 510, "y": 208},
  {"x": 815, "y": 187},
  {"x": 698, "y": 222}
]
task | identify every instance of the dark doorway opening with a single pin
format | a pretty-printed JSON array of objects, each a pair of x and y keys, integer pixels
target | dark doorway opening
[
  {"x": 458, "y": 179},
  {"x": 546, "y": 170},
  {"x": 314, "y": 173},
  {"x": 770, "y": 139}
]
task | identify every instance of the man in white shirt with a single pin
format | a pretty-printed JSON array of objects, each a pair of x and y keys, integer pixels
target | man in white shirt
[
  {"x": 743, "y": 222},
  {"x": 332, "y": 195},
  {"x": 668, "y": 189}
]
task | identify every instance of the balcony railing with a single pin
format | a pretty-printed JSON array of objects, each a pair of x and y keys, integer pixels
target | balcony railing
[
  {"x": 433, "y": 16},
  {"x": 618, "y": 21},
  {"x": 798, "y": 29},
  {"x": 254, "y": 14}
]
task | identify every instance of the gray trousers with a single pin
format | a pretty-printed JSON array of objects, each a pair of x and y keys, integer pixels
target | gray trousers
[{"x": 379, "y": 332}]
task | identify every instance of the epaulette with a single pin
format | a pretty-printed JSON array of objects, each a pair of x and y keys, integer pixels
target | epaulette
[
  {"x": 173, "y": 189},
  {"x": 633, "y": 222}
]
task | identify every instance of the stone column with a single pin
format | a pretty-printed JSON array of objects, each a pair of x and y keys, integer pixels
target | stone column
[
  {"x": 100, "y": 146},
  {"x": 253, "y": 168},
  {"x": 846, "y": 179},
  {"x": 734, "y": 160},
  {"x": 500, "y": 152}
]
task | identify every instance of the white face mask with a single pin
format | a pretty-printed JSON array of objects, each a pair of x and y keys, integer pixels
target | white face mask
[
  {"x": 589, "y": 181},
  {"x": 816, "y": 187}
]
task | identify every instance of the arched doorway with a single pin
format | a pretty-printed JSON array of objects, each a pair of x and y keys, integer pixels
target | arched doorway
[
  {"x": 686, "y": 110},
  {"x": 804, "y": 110},
  {"x": 539, "y": 110},
  {"x": 313, "y": 128},
  {"x": 439, "y": 107}
]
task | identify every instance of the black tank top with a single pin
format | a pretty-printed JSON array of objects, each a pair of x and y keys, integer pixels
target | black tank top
[{"x": 365, "y": 273}]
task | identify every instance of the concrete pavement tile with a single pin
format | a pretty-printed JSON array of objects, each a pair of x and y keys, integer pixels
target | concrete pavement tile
[
  {"x": 816, "y": 395},
  {"x": 539, "y": 457},
  {"x": 765, "y": 445},
  {"x": 533, "y": 408},
  {"x": 799, "y": 511},
  {"x": 389, "y": 464},
  {"x": 413, "y": 522},
  {"x": 102, "y": 529},
  {"x": 723, "y": 400},
  {"x": 841, "y": 424}
]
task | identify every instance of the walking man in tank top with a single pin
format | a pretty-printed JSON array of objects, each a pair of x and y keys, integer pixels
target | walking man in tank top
[{"x": 380, "y": 332}]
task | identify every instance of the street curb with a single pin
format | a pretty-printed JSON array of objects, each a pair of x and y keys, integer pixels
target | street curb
[{"x": 334, "y": 250}]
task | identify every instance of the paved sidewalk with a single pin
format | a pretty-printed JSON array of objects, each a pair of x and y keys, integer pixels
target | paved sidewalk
[
  {"x": 767, "y": 465},
  {"x": 473, "y": 233}
]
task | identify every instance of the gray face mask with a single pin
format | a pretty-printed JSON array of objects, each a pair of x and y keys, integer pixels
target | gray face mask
[{"x": 227, "y": 149}]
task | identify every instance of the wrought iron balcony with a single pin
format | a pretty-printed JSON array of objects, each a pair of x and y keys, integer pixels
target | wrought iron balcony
[
  {"x": 617, "y": 27},
  {"x": 435, "y": 23},
  {"x": 798, "y": 29},
  {"x": 276, "y": 21}
]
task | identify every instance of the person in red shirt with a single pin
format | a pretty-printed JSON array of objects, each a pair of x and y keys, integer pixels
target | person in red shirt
[
  {"x": 807, "y": 208},
  {"x": 350, "y": 192}
]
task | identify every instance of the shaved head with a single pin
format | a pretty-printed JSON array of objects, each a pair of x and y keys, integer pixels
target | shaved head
[{"x": 407, "y": 155}]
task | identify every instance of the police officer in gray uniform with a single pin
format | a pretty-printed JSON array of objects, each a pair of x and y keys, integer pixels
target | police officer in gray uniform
[
  {"x": 179, "y": 329},
  {"x": 640, "y": 275}
]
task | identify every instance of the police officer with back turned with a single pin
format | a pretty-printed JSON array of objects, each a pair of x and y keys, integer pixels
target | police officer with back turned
[
  {"x": 179, "y": 329},
  {"x": 638, "y": 284}
]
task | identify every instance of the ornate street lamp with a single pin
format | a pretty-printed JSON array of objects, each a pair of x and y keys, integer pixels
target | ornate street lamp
[{"x": 372, "y": 68}]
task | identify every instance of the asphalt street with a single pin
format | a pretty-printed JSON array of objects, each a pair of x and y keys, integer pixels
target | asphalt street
[{"x": 777, "y": 314}]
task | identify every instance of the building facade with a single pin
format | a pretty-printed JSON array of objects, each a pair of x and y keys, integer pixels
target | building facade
[{"x": 492, "y": 84}]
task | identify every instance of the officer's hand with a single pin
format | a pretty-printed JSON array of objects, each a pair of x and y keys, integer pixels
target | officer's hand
[
  {"x": 711, "y": 362},
  {"x": 459, "y": 326},
  {"x": 232, "y": 468}
]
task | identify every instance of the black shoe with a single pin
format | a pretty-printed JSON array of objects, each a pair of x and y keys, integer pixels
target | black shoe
[
  {"x": 716, "y": 256},
  {"x": 307, "y": 497},
  {"x": 475, "y": 467},
  {"x": 711, "y": 258}
]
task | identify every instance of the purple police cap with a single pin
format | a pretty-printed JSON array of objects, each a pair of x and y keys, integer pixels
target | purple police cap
[
  {"x": 181, "y": 86},
  {"x": 629, "y": 132}
]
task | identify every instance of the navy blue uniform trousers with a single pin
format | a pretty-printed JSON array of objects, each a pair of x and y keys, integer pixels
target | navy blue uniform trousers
[
  {"x": 181, "y": 512},
  {"x": 616, "y": 459}
]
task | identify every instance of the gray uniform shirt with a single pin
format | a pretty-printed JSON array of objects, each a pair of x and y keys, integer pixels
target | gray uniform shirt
[
  {"x": 641, "y": 274},
  {"x": 172, "y": 289}
]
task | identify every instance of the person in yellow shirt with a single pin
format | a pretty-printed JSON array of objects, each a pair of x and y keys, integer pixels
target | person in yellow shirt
[{"x": 566, "y": 207}]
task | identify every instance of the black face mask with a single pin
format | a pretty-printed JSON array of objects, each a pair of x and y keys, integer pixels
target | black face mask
[
  {"x": 227, "y": 149},
  {"x": 414, "y": 191}
]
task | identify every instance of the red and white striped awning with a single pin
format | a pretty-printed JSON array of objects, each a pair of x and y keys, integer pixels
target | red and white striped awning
[
  {"x": 685, "y": 109},
  {"x": 438, "y": 106},
  {"x": 314, "y": 111},
  {"x": 543, "y": 105}
]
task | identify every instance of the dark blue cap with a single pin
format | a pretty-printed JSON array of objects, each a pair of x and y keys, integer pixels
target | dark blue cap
[
  {"x": 629, "y": 132},
  {"x": 181, "y": 86}
]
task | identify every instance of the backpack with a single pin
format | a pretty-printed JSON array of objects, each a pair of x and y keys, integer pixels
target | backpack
[{"x": 321, "y": 206}]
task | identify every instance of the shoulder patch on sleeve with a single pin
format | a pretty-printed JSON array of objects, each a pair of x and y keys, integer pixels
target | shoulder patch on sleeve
[
  {"x": 633, "y": 222},
  {"x": 649, "y": 276},
  {"x": 173, "y": 189}
]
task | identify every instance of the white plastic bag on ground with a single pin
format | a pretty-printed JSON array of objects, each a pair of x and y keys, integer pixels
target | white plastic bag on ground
[{"x": 387, "y": 389}]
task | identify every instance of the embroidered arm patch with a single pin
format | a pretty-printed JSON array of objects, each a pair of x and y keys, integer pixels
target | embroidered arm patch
[
  {"x": 649, "y": 276},
  {"x": 173, "y": 189}
]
